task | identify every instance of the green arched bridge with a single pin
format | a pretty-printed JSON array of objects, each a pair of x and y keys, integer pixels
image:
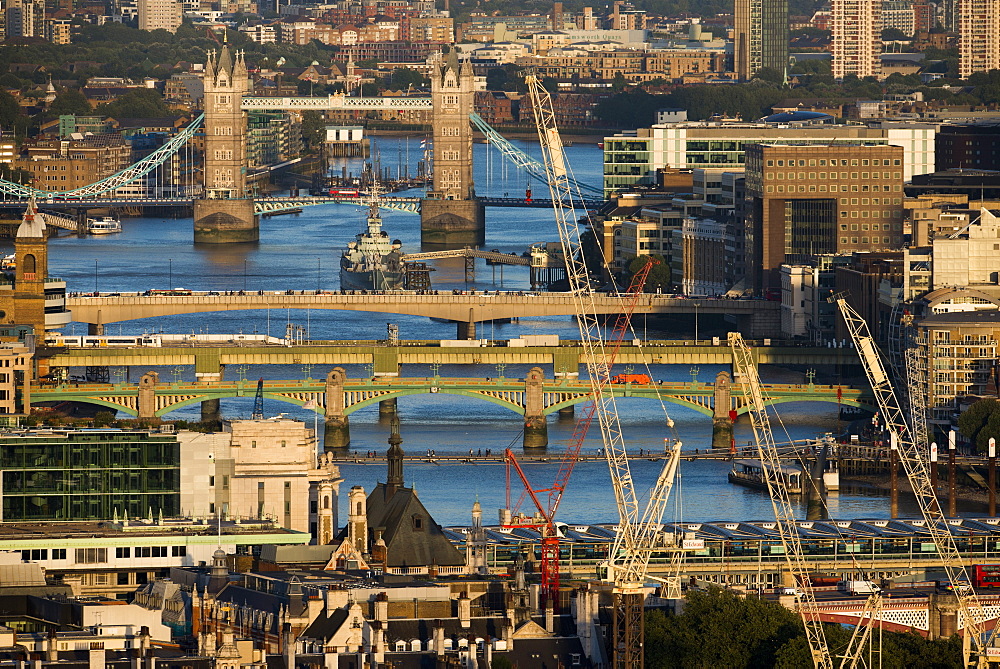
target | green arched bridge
[{"x": 343, "y": 396}]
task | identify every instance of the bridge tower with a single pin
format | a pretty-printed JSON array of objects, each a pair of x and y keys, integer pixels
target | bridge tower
[
  {"x": 451, "y": 216},
  {"x": 225, "y": 213},
  {"x": 31, "y": 252}
]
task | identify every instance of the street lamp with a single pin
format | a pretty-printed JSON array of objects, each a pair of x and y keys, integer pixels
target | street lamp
[
  {"x": 244, "y": 274},
  {"x": 696, "y": 306},
  {"x": 170, "y": 273},
  {"x": 95, "y": 275}
]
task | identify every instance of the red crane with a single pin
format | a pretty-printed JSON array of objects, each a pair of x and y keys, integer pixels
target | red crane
[{"x": 544, "y": 519}]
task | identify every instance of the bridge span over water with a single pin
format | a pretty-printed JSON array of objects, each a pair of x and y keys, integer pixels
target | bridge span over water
[
  {"x": 754, "y": 318},
  {"x": 564, "y": 359}
]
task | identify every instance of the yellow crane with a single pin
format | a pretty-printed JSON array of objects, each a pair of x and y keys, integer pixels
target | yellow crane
[
  {"x": 640, "y": 527},
  {"x": 977, "y": 640}
]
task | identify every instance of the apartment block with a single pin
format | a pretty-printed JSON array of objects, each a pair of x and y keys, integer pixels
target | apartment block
[
  {"x": 978, "y": 27},
  {"x": 802, "y": 201},
  {"x": 857, "y": 39},
  {"x": 160, "y": 15}
]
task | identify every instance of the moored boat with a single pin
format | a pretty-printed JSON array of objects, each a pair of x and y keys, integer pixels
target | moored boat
[
  {"x": 104, "y": 225},
  {"x": 372, "y": 261},
  {"x": 750, "y": 473}
]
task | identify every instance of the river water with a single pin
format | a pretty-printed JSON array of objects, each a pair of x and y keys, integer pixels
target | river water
[{"x": 302, "y": 252}]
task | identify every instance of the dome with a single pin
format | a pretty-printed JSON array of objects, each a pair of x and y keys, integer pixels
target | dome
[{"x": 798, "y": 117}]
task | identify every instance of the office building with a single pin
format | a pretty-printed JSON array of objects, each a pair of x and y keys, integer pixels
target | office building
[
  {"x": 82, "y": 475},
  {"x": 978, "y": 27},
  {"x": 803, "y": 201},
  {"x": 760, "y": 37},
  {"x": 972, "y": 146},
  {"x": 632, "y": 159},
  {"x": 857, "y": 38},
  {"x": 160, "y": 15}
]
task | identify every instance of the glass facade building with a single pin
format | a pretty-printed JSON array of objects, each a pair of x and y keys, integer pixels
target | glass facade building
[{"x": 88, "y": 475}]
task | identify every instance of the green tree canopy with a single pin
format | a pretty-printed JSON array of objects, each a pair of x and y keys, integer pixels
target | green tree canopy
[
  {"x": 137, "y": 103},
  {"x": 69, "y": 102},
  {"x": 980, "y": 422},
  {"x": 659, "y": 275},
  {"x": 404, "y": 77}
]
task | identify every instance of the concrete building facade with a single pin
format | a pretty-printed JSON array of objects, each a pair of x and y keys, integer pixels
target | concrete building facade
[
  {"x": 260, "y": 469},
  {"x": 802, "y": 201}
]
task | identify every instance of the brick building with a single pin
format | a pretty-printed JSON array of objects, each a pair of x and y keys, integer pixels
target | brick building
[{"x": 802, "y": 201}]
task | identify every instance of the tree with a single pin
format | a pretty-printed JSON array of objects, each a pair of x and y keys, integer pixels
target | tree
[
  {"x": 137, "y": 103},
  {"x": 69, "y": 101},
  {"x": 659, "y": 275},
  {"x": 894, "y": 35},
  {"x": 404, "y": 77},
  {"x": 980, "y": 422}
]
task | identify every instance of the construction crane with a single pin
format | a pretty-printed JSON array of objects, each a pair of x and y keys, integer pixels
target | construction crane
[
  {"x": 639, "y": 530},
  {"x": 544, "y": 519},
  {"x": 912, "y": 457},
  {"x": 746, "y": 369}
]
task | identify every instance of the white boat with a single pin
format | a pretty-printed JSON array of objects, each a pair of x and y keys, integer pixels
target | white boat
[{"x": 105, "y": 225}]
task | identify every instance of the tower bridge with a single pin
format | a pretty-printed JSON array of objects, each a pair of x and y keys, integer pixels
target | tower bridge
[{"x": 452, "y": 214}]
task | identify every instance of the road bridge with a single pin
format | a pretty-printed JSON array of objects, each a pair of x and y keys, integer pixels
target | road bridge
[
  {"x": 754, "y": 318},
  {"x": 563, "y": 360}
]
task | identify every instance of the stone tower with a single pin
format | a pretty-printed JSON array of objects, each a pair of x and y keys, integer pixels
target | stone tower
[
  {"x": 394, "y": 460},
  {"x": 31, "y": 252},
  {"x": 225, "y": 212},
  {"x": 450, "y": 215}
]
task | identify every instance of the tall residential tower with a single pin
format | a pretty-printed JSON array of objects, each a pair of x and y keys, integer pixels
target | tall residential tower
[
  {"x": 760, "y": 37},
  {"x": 978, "y": 42},
  {"x": 857, "y": 38}
]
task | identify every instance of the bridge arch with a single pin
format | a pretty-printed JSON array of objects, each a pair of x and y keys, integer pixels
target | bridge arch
[
  {"x": 672, "y": 399},
  {"x": 510, "y": 406}
]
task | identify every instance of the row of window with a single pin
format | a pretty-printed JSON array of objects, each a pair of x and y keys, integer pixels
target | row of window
[
  {"x": 833, "y": 175},
  {"x": 100, "y": 555},
  {"x": 843, "y": 162},
  {"x": 875, "y": 227},
  {"x": 864, "y": 188},
  {"x": 865, "y": 240}
]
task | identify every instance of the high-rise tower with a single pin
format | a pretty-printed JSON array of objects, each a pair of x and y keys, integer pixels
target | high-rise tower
[
  {"x": 225, "y": 213},
  {"x": 857, "y": 38},
  {"x": 450, "y": 215},
  {"x": 978, "y": 44},
  {"x": 760, "y": 37}
]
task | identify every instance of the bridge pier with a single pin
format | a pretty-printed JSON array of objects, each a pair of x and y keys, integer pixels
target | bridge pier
[
  {"x": 211, "y": 410},
  {"x": 95, "y": 329},
  {"x": 81, "y": 221},
  {"x": 722, "y": 422},
  {"x": 536, "y": 430},
  {"x": 336, "y": 428},
  {"x": 147, "y": 394},
  {"x": 466, "y": 330},
  {"x": 451, "y": 224},
  {"x": 387, "y": 408},
  {"x": 222, "y": 221},
  {"x": 567, "y": 413}
]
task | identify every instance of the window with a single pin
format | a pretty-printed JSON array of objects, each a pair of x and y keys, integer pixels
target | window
[
  {"x": 91, "y": 555},
  {"x": 211, "y": 481},
  {"x": 283, "y": 445},
  {"x": 35, "y": 554},
  {"x": 151, "y": 551},
  {"x": 418, "y": 522},
  {"x": 123, "y": 578},
  {"x": 123, "y": 552},
  {"x": 178, "y": 551},
  {"x": 58, "y": 553},
  {"x": 253, "y": 444}
]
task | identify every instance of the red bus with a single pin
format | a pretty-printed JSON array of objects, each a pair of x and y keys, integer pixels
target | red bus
[
  {"x": 986, "y": 576},
  {"x": 345, "y": 192}
]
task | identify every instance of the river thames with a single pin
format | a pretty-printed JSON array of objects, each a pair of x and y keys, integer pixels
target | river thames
[{"x": 302, "y": 252}]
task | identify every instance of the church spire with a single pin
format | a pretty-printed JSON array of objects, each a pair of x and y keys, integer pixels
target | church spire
[{"x": 394, "y": 457}]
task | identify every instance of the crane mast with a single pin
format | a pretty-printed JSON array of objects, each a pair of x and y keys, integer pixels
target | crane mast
[
  {"x": 545, "y": 521},
  {"x": 914, "y": 464},
  {"x": 638, "y": 530},
  {"x": 784, "y": 513}
]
